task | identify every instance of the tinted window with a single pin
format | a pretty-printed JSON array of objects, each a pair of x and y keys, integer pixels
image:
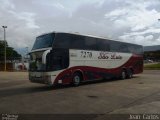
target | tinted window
[
  {"x": 137, "y": 49},
  {"x": 62, "y": 40},
  {"x": 72, "y": 41},
  {"x": 90, "y": 43},
  {"x": 43, "y": 41},
  {"x": 77, "y": 42},
  {"x": 123, "y": 48},
  {"x": 114, "y": 46},
  {"x": 103, "y": 45}
]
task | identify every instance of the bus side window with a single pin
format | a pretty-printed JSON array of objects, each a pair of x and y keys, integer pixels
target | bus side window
[
  {"x": 124, "y": 48},
  {"x": 114, "y": 46},
  {"x": 62, "y": 40},
  {"x": 77, "y": 42},
  {"x": 103, "y": 45},
  {"x": 90, "y": 43}
]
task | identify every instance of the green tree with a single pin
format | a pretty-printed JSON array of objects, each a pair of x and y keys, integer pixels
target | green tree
[{"x": 11, "y": 54}]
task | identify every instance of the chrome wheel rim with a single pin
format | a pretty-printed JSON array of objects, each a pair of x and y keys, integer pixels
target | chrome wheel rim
[
  {"x": 76, "y": 80},
  {"x": 123, "y": 75}
]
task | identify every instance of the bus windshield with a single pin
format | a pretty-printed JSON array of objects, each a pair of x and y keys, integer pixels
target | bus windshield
[{"x": 44, "y": 41}]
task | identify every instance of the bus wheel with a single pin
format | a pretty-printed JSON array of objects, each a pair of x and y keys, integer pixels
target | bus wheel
[
  {"x": 123, "y": 75},
  {"x": 76, "y": 79},
  {"x": 130, "y": 74}
]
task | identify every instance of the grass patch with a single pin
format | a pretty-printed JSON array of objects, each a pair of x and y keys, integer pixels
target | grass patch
[{"x": 155, "y": 66}]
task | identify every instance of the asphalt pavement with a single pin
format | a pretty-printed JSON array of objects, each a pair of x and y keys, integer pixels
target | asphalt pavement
[{"x": 138, "y": 95}]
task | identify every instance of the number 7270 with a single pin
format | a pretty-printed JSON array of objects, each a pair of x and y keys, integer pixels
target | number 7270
[{"x": 86, "y": 54}]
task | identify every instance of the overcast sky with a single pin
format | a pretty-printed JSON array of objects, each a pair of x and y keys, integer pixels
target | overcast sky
[{"x": 133, "y": 21}]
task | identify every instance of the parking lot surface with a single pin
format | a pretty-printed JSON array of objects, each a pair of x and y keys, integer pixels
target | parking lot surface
[{"x": 140, "y": 94}]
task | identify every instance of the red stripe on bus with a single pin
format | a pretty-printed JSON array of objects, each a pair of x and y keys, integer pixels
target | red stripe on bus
[{"x": 133, "y": 62}]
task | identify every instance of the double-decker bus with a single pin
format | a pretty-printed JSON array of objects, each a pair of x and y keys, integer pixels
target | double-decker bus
[{"x": 68, "y": 58}]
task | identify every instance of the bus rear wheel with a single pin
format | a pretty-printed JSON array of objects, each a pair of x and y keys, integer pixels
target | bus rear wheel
[
  {"x": 77, "y": 78},
  {"x": 130, "y": 74},
  {"x": 123, "y": 75}
]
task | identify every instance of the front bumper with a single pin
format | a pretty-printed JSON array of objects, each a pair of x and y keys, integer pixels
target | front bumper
[{"x": 41, "y": 80}]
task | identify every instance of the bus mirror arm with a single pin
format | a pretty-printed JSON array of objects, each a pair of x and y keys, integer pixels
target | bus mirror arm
[{"x": 44, "y": 56}]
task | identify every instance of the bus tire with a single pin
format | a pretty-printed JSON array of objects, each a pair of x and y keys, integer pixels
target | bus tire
[
  {"x": 77, "y": 78},
  {"x": 123, "y": 75},
  {"x": 130, "y": 73}
]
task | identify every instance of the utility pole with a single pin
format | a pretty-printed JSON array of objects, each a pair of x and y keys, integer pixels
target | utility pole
[{"x": 4, "y": 27}]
